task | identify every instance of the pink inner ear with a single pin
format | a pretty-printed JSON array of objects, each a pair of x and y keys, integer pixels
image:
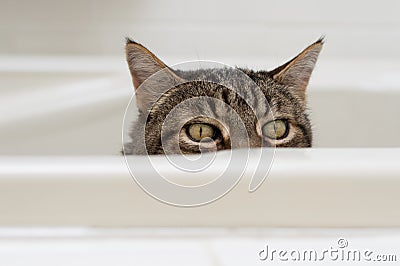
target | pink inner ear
[{"x": 297, "y": 72}]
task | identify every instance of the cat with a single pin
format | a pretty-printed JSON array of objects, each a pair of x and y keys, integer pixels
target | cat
[{"x": 281, "y": 120}]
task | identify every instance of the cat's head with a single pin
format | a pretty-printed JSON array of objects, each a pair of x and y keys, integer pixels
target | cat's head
[{"x": 218, "y": 108}]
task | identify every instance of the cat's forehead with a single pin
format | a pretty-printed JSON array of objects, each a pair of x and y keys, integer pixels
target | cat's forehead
[
  {"x": 231, "y": 92},
  {"x": 248, "y": 84}
]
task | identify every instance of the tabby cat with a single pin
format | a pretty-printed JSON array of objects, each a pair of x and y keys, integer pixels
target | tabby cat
[{"x": 276, "y": 117}]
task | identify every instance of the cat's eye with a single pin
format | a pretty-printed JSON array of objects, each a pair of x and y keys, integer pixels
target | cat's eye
[
  {"x": 198, "y": 132},
  {"x": 277, "y": 129}
]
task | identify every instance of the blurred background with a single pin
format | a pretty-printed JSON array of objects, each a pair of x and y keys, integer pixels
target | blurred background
[
  {"x": 207, "y": 29},
  {"x": 65, "y": 84}
]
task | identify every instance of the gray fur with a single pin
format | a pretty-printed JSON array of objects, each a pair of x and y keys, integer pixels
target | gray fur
[{"x": 165, "y": 99}]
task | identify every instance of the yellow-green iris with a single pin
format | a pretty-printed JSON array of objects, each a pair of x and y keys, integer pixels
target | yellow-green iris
[
  {"x": 275, "y": 129},
  {"x": 200, "y": 131}
]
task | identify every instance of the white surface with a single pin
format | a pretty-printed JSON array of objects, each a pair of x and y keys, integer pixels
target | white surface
[
  {"x": 305, "y": 188},
  {"x": 182, "y": 246}
]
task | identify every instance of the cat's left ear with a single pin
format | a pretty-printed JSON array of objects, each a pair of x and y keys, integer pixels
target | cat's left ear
[{"x": 297, "y": 72}]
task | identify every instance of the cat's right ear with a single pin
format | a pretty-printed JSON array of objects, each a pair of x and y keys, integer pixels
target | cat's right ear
[{"x": 143, "y": 64}]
